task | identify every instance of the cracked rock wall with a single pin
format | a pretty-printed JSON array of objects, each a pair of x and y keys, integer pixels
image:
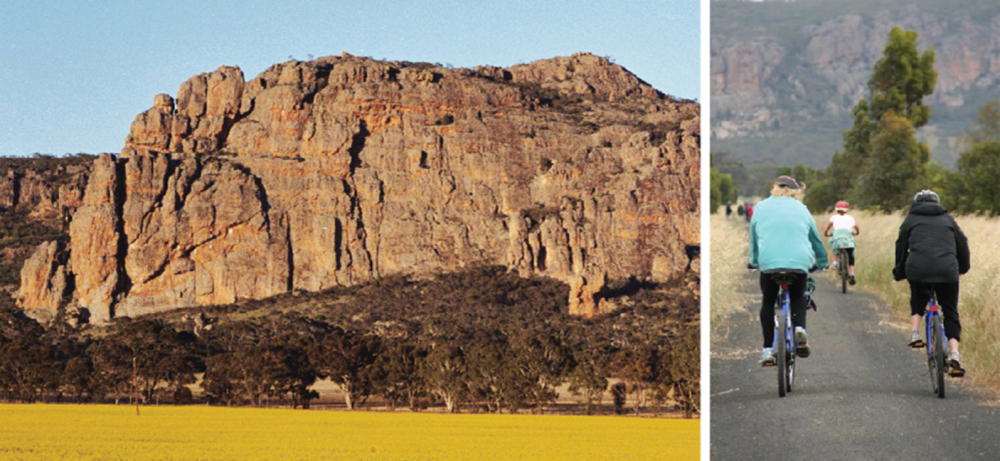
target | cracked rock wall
[{"x": 342, "y": 170}]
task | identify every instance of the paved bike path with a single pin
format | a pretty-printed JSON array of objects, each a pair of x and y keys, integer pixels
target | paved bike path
[{"x": 861, "y": 395}]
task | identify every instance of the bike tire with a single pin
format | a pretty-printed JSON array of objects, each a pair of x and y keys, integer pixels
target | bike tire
[
  {"x": 781, "y": 352},
  {"x": 842, "y": 268},
  {"x": 791, "y": 353},
  {"x": 936, "y": 358}
]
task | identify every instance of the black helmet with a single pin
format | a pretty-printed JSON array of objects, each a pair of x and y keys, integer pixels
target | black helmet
[{"x": 926, "y": 195}]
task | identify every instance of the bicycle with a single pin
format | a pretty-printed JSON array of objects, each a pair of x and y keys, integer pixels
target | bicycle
[
  {"x": 843, "y": 270},
  {"x": 937, "y": 347},
  {"x": 785, "y": 344}
]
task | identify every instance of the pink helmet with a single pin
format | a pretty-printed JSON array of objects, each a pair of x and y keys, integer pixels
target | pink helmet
[{"x": 842, "y": 205}]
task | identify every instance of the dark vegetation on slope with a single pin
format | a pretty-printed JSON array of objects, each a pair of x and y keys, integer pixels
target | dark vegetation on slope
[{"x": 482, "y": 339}]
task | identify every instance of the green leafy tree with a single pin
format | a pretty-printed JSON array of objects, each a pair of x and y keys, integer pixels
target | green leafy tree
[
  {"x": 348, "y": 359},
  {"x": 77, "y": 377},
  {"x": 586, "y": 380},
  {"x": 725, "y": 162},
  {"x": 246, "y": 363},
  {"x": 112, "y": 367},
  {"x": 901, "y": 79},
  {"x": 28, "y": 365},
  {"x": 445, "y": 372},
  {"x": 899, "y": 82},
  {"x": 681, "y": 371},
  {"x": 399, "y": 366},
  {"x": 975, "y": 187},
  {"x": 297, "y": 372},
  {"x": 897, "y": 165},
  {"x": 723, "y": 190},
  {"x": 545, "y": 361},
  {"x": 494, "y": 376},
  {"x": 639, "y": 367},
  {"x": 220, "y": 382},
  {"x": 946, "y": 183},
  {"x": 160, "y": 355},
  {"x": 986, "y": 127}
]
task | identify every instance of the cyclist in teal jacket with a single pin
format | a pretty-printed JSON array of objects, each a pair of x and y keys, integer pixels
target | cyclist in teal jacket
[{"x": 783, "y": 235}]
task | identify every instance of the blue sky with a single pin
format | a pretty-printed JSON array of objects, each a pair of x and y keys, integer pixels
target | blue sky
[{"x": 74, "y": 74}]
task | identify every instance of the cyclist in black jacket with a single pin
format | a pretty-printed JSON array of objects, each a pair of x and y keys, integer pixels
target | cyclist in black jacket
[{"x": 931, "y": 253}]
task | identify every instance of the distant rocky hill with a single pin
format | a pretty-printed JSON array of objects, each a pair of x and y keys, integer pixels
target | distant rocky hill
[
  {"x": 345, "y": 169},
  {"x": 785, "y": 76}
]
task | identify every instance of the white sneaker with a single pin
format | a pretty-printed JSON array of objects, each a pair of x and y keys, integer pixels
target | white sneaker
[
  {"x": 955, "y": 362},
  {"x": 802, "y": 342},
  {"x": 767, "y": 358},
  {"x": 800, "y": 336}
]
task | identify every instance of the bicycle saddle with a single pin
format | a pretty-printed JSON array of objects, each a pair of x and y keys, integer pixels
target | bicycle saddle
[{"x": 783, "y": 276}]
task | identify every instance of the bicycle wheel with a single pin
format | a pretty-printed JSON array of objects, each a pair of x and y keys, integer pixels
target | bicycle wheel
[
  {"x": 842, "y": 268},
  {"x": 781, "y": 351},
  {"x": 792, "y": 348},
  {"x": 936, "y": 358}
]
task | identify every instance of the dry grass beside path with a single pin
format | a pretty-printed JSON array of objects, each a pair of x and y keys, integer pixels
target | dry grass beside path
[
  {"x": 979, "y": 302},
  {"x": 729, "y": 266}
]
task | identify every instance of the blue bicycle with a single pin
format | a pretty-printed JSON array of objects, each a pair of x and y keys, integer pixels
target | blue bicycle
[
  {"x": 785, "y": 344},
  {"x": 937, "y": 347}
]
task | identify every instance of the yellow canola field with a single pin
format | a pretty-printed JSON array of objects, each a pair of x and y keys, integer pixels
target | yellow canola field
[{"x": 108, "y": 432}]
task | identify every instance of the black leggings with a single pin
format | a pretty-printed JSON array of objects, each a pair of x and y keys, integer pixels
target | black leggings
[
  {"x": 850, "y": 256},
  {"x": 769, "y": 290},
  {"x": 947, "y": 300}
]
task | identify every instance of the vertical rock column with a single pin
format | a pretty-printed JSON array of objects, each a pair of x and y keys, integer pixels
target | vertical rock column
[{"x": 94, "y": 233}]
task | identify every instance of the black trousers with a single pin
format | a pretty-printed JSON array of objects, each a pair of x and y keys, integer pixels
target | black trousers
[
  {"x": 947, "y": 300},
  {"x": 850, "y": 256},
  {"x": 769, "y": 290}
]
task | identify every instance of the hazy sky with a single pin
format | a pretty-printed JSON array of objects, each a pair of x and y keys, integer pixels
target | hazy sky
[{"x": 74, "y": 74}]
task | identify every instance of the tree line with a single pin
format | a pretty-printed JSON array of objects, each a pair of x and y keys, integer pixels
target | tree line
[
  {"x": 883, "y": 164},
  {"x": 481, "y": 340}
]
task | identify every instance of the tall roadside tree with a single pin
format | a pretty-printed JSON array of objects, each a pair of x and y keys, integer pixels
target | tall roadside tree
[
  {"x": 881, "y": 155},
  {"x": 986, "y": 127},
  {"x": 723, "y": 189},
  {"x": 973, "y": 188},
  {"x": 897, "y": 165}
]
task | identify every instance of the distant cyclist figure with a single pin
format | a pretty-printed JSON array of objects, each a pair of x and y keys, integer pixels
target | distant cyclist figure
[
  {"x": 931, "y": 254},
  {"x": 783, "y": 235},
  {"x": 841, "y": 229}
]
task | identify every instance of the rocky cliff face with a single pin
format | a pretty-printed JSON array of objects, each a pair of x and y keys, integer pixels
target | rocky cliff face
[
  {"x": 37, "y": 199},
  {"x": 342, "y": 170},
  {"x": 780, "y": 69},
  {"x": 47, "y": 189}
]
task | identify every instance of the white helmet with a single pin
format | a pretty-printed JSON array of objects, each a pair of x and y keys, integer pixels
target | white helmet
[{"x": 926, "y": 195}]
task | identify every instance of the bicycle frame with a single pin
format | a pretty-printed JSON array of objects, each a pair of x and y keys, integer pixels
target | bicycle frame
[
  {"x": 786, "y": 335},
  {"x": 932, "y": 312}
]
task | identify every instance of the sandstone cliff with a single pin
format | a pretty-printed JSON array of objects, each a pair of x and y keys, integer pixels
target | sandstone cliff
[
  {"x": 46, "y": 189},
  {"x": 37, "y": 198},
  {"x": 342, "y": 170},
  {"x": 785, "y": 77}
]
